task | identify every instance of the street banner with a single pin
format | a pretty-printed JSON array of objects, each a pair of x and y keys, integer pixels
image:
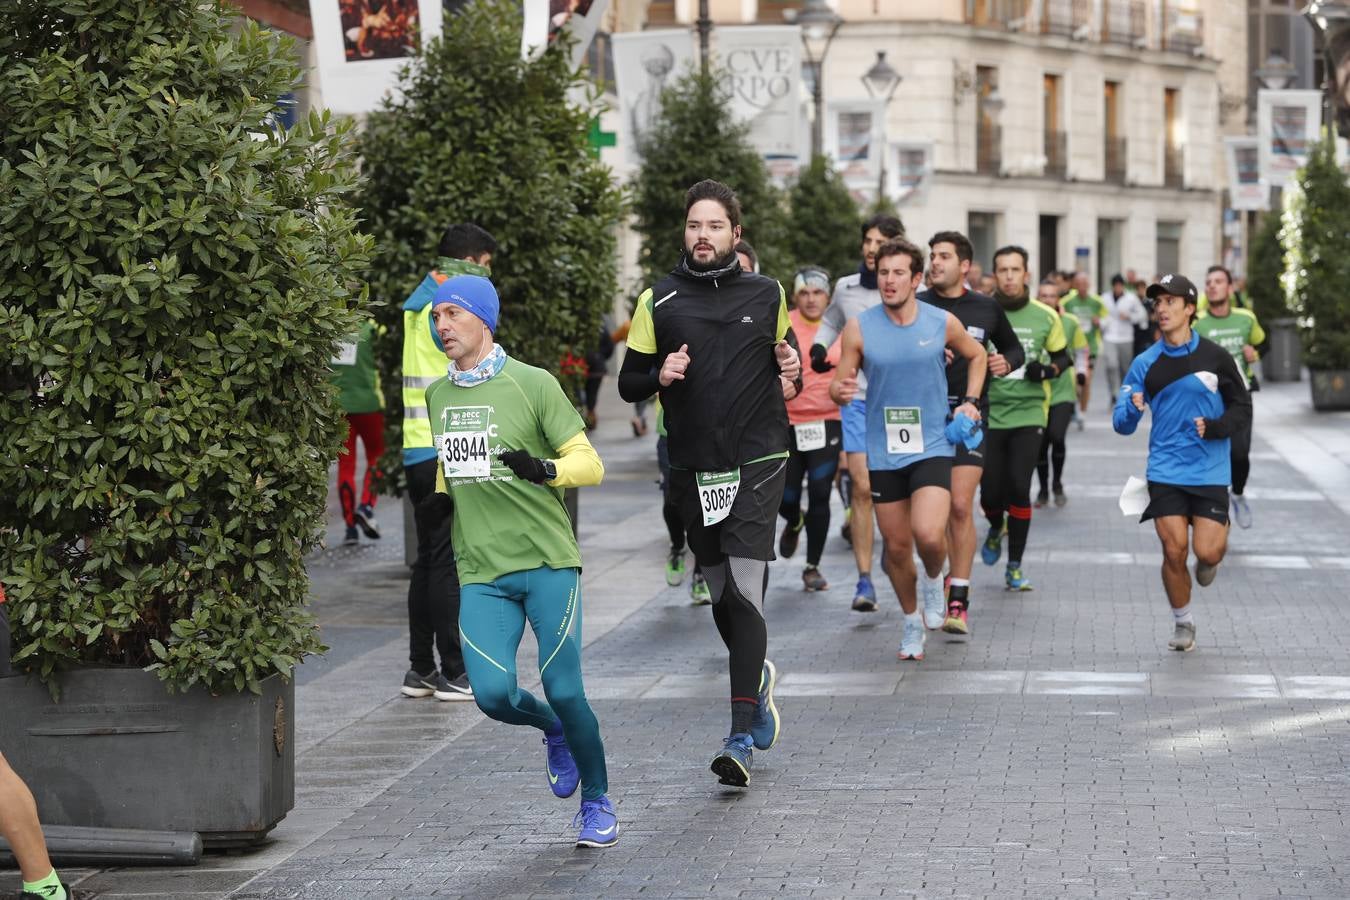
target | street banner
[
  {"x": 762, "y": 65},
  {"x": 909, "y": 171},
  {"x": 1246, "y": 188},
  {"x": 1287, "y": 125},
  {"x": 645, "y": 64},
  {"x": 361, "y": 45},
  {"x": 546, "y": 19},
  {"x": 853, "y": 140}
]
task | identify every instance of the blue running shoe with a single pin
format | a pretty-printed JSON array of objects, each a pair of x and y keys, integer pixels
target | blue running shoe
[
  {"x": 563, "y": 775},
  {"x": 1014, "y": 579},
  {"x": 865, "y": 596},
  {"x": 992, "y": 548},
  {"x": 732, "y": 765},
  {"x": 764, "y": 726},
  {"x": 599, "y": 826}
]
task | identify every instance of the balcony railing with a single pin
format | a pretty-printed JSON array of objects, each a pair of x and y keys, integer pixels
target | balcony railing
[
  {"x": 1123, "y": 21},
  {"x": 1010, "y": 15},
  {"x": 1056, "y": 154},
  {"x": 1057, "y": 17},
  {"x": 1115, "y": 159},
  {"x": 1174, "y": 166},
  {"x": 772, "y": 12},
  {"x": 1183, "y": 30},
  {"x": 988, "y": 149}
]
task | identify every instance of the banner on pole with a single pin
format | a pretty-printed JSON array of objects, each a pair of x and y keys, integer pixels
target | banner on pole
[
  {"x": 546, "y": 19},
  {"x": 361, "y": 45},
  {"x": 762, "y": 70},
  {"x": 853, "y": 141},
  {"x": 909, "y": 171},
  {"x": 645, "y": 64},
  {"x": 1287, "y": 125},
  {"x": 1246, "y": 188}
]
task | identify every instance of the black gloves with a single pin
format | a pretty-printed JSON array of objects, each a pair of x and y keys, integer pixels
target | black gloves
[
  {"x": 524, "y": 465},
  {"x": 1081, "y": 379},
  {"x": 1038, "y": 371},
  {"x": 818, "y": 362}
]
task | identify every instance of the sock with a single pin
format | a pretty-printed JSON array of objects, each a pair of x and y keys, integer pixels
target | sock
[
  {"x": 742, "y": 714},
  {"x": 914, "y": 618},
  {"x": 959, "y": 593},
  {"x": 48, "y": 887},
  {"x": 1183, "y": 616}
]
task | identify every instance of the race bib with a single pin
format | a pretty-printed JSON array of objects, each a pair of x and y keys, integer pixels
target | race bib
[
  {"x": 346, "y": 354},
  {"x": 463, "y": 447},
  {"x": 1084, "y": 322},
  {"x": 810, "y": 436},
  {"x": 716, "y": 493},
  {"x": 904, "y": 429},
  {"x": 1019, "y": 373}
]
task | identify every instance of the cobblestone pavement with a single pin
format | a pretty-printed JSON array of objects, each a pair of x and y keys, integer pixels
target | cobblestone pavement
[{"x": 1061, "y": 751}]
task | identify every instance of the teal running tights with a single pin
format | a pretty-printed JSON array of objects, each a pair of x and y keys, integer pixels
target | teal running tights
[{"x": 491, "y": 624}]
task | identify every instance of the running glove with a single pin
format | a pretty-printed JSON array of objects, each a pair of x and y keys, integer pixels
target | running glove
[
  {"x": 524, "y": 465},
  {"x": 818, "y": 361},
  {"x": 1038, "y": 371}
]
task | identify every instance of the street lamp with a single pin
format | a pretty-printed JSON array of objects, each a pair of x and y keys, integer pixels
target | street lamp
[
  {"x": 1331, "y": 19},
  {"x": 881, "y": 81},
  {"x": 1277, "y": 73},
  {"x": 819, "y": 24}
]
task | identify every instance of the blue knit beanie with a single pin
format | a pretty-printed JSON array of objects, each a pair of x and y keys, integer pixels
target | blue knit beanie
[{"x": 473, "y": 293}]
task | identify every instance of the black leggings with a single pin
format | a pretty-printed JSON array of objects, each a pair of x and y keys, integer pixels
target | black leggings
[
  {"x": 1009, "y": 459},
  {"x": 1241, "y": 456},
  {"x": 818, "y": 467},
  {"x": 1052, "y": 446}
]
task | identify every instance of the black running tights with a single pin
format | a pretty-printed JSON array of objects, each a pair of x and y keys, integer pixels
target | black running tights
[{"x": 1052, "y": 447}]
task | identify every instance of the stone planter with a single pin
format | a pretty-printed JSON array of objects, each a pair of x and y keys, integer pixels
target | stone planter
[
  {"x": 1282, "y": 359},
  {"x": 1330, "y": 389},
  {"x": 119, "y": 751}
]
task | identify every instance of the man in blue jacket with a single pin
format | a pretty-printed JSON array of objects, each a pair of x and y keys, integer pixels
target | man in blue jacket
[{"x": 1199, "y": 401}]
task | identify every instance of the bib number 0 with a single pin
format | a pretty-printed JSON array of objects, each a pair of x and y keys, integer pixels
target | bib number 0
[
  {"x": 717, "y": 493},
  {"x": 904, "y": 429},
  {"x": 810, "y": 436}
]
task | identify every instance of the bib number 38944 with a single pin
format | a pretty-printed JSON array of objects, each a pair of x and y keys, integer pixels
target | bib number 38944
[
  {"x": 904, "y": 429},
  {"x": 464, "y": 454},
  {"x": 717, "y": 493}
]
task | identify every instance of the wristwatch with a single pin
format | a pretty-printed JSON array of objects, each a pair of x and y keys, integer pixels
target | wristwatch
[
  {"x": 550, "y": 470},
  {"x": 973, "y": 401}
]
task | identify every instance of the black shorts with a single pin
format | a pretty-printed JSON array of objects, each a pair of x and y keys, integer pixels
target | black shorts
[
  {"x": 892, "y": 485},
  {"x": 966, "y": 457},
  {"x": 749, "y": 528},
  {"x": 1206, "y": 501}
]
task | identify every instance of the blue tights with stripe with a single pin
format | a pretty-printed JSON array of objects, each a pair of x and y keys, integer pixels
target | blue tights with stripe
[{"x": 491, "y": 623}]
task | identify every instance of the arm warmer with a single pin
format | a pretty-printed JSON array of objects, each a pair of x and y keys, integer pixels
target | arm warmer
[
  {"x": 831, "y": 325},
  {"x": 578, "y": 464},
  {"x": 638, "y": 376}
]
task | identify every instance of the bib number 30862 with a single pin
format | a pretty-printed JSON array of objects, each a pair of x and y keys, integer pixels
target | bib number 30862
[
  {"x": 716, "y": 493},
  {"x": 904, "y": 429}
]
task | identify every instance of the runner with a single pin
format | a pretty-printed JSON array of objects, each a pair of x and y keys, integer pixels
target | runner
[
  {"x": 362, "y": 402},
  {"x": 718, "y": 339},
  {"x": 816, "y": 435},
  {"x": 853, "y": 294},
  {"x": 1053, "y": 448},
  {"x": 509, "y": 442},
  {"x": 1199, "y": 402},
  {"x": 433, "y": 591},
  {"x": 901, "y": 347},
  {"x": 1125, "y": 313},
  {"x": 1019, "y": 406},
  {"x": 949, "y": 259},
  {"x": 1237, "y": 331},
  {"x": 670, "y": 512},
  {"x": 20, "y": 828},
  {"x": 1090, "y": 311}
]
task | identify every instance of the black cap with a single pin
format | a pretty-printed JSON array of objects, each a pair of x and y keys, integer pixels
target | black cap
[
  {"x": 1117, "y": 278},
  {"x": 1177, "y": 286}
]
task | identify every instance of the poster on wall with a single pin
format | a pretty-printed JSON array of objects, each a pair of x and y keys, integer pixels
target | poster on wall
[
  {"x": 909, "y": 171},
  {"x": 545, "y": 20},
  {"x": 645, "y": 64},
  {"x": 1246, "y": 188},
  {"x": 1287, "y": 125},
  {"x": 763, "y": 79},
  {"x": 853, "y": 141},
  {"x": 361, "y": 45}
]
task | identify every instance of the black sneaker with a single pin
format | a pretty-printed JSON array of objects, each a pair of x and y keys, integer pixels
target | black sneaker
[
  {"x": 453, "y": 688},
  {"x": 350, "y": 540},
  {"x": 365, "y": 517},
  {"x": 787, "y": 544},
  {"x": 415, "y": 685}
]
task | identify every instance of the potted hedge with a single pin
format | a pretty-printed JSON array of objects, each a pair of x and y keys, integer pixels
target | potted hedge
[
  {"x": 1317, "y": 272},
  {"x": 1265, "y": 266},
  {"x": 174, "y": 275}
]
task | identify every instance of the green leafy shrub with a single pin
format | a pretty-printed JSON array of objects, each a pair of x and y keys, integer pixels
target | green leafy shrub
[
  {"x": 1265, "y": 265},
  {"x": 174, "y": 276},
  {"x": 825, "y": 221},
  {"x": 1317, "y": 268},
  {"x": 501, "y": 143}
]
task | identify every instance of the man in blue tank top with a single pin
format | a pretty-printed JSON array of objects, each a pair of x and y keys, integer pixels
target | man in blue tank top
[{"x": 900, "y": 347}]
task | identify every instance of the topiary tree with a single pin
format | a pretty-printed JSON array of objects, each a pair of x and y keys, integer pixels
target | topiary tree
[
  {"x": 693, "y": 138},
  {"x": 504, "y": 144},
  {"x": 1265, "y": 265},
  {"x": 173, "y": 280},
  {"x": 1317, "y": 268},
  {"x": 825, "y": 221}
]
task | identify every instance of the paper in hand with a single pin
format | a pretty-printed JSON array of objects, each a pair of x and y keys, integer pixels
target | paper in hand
[{"x": 1134, "y": 498}]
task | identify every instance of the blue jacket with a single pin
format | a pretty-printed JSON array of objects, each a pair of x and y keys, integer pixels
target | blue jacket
[{"x": 1181, "y": 384}]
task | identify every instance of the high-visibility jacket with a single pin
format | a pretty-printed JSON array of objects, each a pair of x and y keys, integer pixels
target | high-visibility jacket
[{"x": 424, "y": 358}]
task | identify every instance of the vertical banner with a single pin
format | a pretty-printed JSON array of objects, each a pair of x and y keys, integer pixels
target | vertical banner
[
  {"x": 853, "y": 141},
  {"x": 645, "y": 64},
  {"x": 1287, "y": 125},
  {"x": 1246, "y": 188},
  {"x": 909, "y": 171},
  {"x": 546, "y": 19},
  {"x": 361, "y": 44},
  {"x": 763, "y": 67}
]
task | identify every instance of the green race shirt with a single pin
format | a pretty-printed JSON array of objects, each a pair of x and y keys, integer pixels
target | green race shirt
[
  {"x": 504, "y": 524},
  {"x": 1085, "y": 309},
  {"x": 354, "y": 373},
  {"x": 1232, "y": 332},
  {"x": 1015, "y": 402},
  {"x": 1064, "y": 389}
]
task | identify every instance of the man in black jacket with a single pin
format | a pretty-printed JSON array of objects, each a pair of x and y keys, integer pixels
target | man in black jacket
[{"x": 714, "y": 341}]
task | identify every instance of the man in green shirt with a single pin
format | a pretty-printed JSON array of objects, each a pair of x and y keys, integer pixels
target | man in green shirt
[
  {"x": 1089, "y": 309},
  {"x": 1237, "y": 331},
  {"x": 360, "y": 398},
  {"x": 1053, "y": 449},
  {"x": 508, "y": 442},
  {"x": 1019, "y": 405}
]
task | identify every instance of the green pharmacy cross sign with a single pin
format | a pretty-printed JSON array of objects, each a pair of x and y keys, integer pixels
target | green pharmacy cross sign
[{"x": 600, "y": 139}]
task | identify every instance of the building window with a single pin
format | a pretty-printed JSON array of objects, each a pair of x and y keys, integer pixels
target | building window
[
  {"x": 1048, "y": 245},
  {"x": 1123, "y": 22},
  {"x": 1169, "y": 247},
  {"x": 1055, "y": 140},
  {"x": 983, "y": 232},
  {"x": 1010, "y": 15},
  {"x": 1114, "y": 142},
  {"x": 1110, "y": 235},
  {"x": 988, "y": 135},
  {"x": 1182, "y": 26},
  {"x": 1173, "y": 159}
]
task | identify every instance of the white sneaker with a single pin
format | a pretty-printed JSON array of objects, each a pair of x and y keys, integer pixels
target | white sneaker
[
  {"x": 912, "y": 639},
  {"x": 934, "y": 605}
]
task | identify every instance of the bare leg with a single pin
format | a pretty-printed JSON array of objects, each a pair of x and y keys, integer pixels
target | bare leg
[
  {"x": 897, "y": 545},
  {"x": 1172, "y": 531},
  {"x": 1209, "y": 539},
  {"x": 20, "y": 827},
  {"x": 961, "y": 525},
  {"x": 861, "y": 521},
  {"x": 929, "y": 509}
]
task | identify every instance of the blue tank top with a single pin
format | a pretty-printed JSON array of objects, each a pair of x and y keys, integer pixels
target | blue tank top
[{"x": 906, "y": 371}]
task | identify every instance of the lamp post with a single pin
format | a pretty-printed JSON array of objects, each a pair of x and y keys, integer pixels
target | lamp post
[
  {"x": 1331, "y": 19},
  {"x": 1276, "y": 73},
  {"x": 704, "y": 25},
  {"x": 819, "y": 24},
  {"x": 881, "y": 81}
]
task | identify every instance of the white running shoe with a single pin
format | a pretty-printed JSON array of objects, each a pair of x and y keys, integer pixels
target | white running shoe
[
  {"x": 934, "y": 605},
  {"x": 912, "y": 639}
]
